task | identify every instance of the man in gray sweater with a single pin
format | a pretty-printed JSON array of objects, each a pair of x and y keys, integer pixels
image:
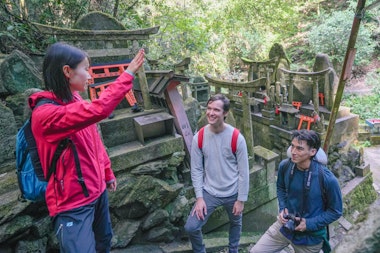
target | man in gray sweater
[{"x": 220, "y": 174}]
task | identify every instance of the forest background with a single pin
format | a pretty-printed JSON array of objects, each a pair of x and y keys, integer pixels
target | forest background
[{"x": 216, "y": 34}]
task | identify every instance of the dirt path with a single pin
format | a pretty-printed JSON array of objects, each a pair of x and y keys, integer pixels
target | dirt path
[
  {"x": 363, "y": 237},
  {"x": 372, "y": 156}
]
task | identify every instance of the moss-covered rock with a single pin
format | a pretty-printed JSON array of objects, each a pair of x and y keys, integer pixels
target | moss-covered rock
[
  {"x": 98, "y": 21},
  {"x": 360, "y": 197}
]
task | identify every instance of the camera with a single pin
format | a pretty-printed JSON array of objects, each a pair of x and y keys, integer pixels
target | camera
[{"x": 292, "y": 222}]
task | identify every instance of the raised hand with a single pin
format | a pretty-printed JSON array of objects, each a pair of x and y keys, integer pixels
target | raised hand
[{"x": 137, "y": 62}]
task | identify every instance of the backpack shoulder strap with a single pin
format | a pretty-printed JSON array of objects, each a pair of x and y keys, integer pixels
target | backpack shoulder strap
[
  {"x": 235, "y": 136},
  {"x": 62, "y": 145},
  {"x": 287, "y": 169},
  {"x": 43, "y": 101},
  {"x": 321, "y": 176},
  {"x": 200, "y": 137},
  {"x": 30, "y": 140}
]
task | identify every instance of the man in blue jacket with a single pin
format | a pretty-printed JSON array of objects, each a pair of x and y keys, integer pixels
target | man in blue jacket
[{"x": 309, "y": 199}]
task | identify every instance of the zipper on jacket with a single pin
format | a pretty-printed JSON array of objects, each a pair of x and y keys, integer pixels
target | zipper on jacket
[
  {"x": 93, "y": 135},
  {"x": 60, "y": 230},
  {"x": 62, "y": 160},
  {"x": 62, "y": 185}
]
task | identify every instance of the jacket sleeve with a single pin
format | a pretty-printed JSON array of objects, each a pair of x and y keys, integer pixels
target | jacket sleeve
[
  {"x": 282, "y": 194},
  {"x": 59, "y": 122},
  {"x": 110, "y": 177}
]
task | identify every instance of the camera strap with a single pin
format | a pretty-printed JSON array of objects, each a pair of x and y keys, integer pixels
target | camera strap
[{"x": 306, "y": 186}]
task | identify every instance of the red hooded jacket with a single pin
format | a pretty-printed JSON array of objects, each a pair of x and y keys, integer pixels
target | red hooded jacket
[{"x": 76, "y": 120}]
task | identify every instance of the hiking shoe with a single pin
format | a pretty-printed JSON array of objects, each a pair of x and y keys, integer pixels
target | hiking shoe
[{"x": 135, "y": 108}]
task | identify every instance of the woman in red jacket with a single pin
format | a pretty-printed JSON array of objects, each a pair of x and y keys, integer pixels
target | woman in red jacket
[{"x": 79, "y": 208}]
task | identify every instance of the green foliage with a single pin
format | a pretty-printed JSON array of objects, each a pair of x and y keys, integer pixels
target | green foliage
[
  {"x": 63, "y": 13},
  {"x": 363, "y": 195},
  {"x": 22, "y": 36},
  {"x": 185, "y": 31},
  {"x": 251, "y": 44},
  {"x": 216, "y": 34},
  {"x": 332, "y": 35},
  {"x": 372, "y": 79},
  {"x": 366, "y": 107},
  {"x": 361, "y": 144},
  {"x": 367, "y": 144},
  {"x": 270, "y": 15}
]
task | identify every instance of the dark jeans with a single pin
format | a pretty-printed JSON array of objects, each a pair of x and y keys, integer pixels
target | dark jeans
[
  {"x": 194, "y": 226},
  {"x": 85, "y": 229}
]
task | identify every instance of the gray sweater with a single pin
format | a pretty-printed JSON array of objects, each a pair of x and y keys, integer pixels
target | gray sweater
[{"x": 223, "y": 173}]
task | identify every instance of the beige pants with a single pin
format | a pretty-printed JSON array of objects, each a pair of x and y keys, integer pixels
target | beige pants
[{"x": 274, "y": 241}]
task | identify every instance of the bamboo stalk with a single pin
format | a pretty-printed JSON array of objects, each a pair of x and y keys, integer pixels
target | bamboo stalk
[{"x": 346, "y": 71}]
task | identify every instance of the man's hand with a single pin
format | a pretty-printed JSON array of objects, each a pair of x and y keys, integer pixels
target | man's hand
[
  {"x": 200, "y": 209},
  {"x": 238, "y": 207},
  {"x": 281, "y": 218},
  {"x": 302, "y": 226}
]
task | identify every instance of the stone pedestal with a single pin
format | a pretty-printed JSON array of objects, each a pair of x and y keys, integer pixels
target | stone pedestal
[
  {"x": 375, "y": 139},
  {"x": 200, "y": 91},
  {"x": 153, "y": 126},
  {"x": 267, "y": 159},
  {"x": 288, "y": 116},
  {"x": 267, "y": 113},
  {"x": 362, "y": 170}
]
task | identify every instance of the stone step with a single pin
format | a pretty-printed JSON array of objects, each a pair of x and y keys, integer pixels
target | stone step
[
  {"x": 213, "y": 245},
  {"x": 375, "y": 139},
  {"x": 121, "y": 129},
  {"x": 133, "y": 153},
  {"x": 125, "y": 144}
]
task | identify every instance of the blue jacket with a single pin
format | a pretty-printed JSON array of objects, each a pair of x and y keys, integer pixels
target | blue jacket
[{"x": 292, "y": 191}]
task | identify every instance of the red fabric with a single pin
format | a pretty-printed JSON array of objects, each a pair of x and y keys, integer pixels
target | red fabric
[
  {"x": 200, "y": 137},
  {"x": 76, "y": 120},
  {"x": 235, "y": 136}
]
